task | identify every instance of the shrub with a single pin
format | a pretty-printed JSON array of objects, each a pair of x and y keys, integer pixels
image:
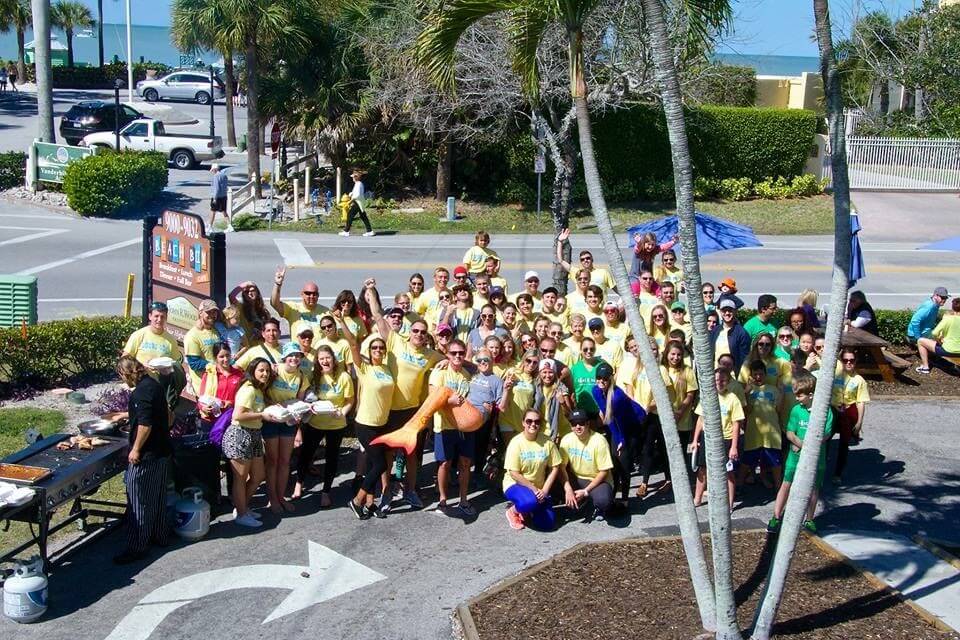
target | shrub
[
  {"x": 735, "y": 188},
  {"x": 726, "y": 85},
  {"x": 247, "y": 222},
  {"x": 704, "y": 188},
  {"x": 773, "y": 188},
  {"x": 56, "y": 352},
  {"x": 807, "y": 185},
  {"x": 892, "y": 323},
  {"x": 108, "y": 182},
  {"x": 97, "y": 77},
  {"x": 13, "y": 169}
]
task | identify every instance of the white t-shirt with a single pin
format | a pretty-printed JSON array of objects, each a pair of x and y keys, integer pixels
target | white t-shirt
[{"x": 359, "y": 194}]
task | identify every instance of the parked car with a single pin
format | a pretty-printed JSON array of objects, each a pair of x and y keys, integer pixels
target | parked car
[
  {"x": 183, "y": 149},
  {"x": 182, "y": 85},
  {"x": 91, "y": 116}
]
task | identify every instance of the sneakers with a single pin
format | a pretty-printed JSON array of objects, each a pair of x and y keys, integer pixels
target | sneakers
[
  {"x": 369, "y": 234},
  {"x": 466, "y": 509},
  {"x": 345, "y": 234},
  {"x": 375, "y": 511},
  {"x": 252, "y": 514},
  {"x": 599, "y": 515},
  {"x": 385, "y": 502},
  {"x": 774, "y": 525},
  {"x": 515, "y": 519},
  {"x": 413, "y": 500},
  {"x": 358, "y": 510},
  {"x": 923, "y": 370},
  {"x": 810, "y": 526},
  {"x": 247, "y": 520}
]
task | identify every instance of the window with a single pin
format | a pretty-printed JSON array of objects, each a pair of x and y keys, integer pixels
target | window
[
  {"x": 130, "y": 112},
  {"x": 197, "y": 79},
  {"x": 174, "y": 77},
  {"x": 138, "y": 129}
]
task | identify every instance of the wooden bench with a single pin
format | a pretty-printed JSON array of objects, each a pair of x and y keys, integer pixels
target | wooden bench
[{"x": 877, "y": 348}]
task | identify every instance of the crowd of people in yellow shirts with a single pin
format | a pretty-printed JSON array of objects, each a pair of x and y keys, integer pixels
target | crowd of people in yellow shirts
[{"x": 568, "y": 414}]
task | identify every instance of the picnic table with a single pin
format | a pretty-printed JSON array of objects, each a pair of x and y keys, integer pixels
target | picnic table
[{"x": 883, "y": 363}]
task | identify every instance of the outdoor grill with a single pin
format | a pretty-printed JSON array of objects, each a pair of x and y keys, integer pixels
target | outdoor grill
[{"x": 75, "y": 475}]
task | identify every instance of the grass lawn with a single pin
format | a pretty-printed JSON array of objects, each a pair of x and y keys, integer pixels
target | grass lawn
[
  {"x": 13, "y": 423},
  {"x": 801, "y": 216}
]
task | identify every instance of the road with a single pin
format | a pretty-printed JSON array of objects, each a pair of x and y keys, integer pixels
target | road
[{"x": 82, "y": 264}]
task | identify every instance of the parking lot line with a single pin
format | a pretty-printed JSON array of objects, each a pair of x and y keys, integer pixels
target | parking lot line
[{"x": 79, "y": 256}]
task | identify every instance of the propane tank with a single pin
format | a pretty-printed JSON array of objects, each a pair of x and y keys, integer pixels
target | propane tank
[
  {"x": 25, "y": 592},
  {"x": 193, "y": 515}
]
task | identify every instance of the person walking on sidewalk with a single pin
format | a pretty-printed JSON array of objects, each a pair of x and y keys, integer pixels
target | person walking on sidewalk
[
  {"x": 218, "y": 193},
  {"x": 358, "y": 205}
]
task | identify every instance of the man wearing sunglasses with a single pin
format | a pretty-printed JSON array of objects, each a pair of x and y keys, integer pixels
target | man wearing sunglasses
[
  {"x": 531, "y": 286},
  {"x": 598, "y": 275},
  {"x": 430, "y": 299},
  {"x": 153, "y": 341},
  {"x": 729, "y": 336},
  {"x": 763, "y": 321},
  {"x": 307, "y": 310}
]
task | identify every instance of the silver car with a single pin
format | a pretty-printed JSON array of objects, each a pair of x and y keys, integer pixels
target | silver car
[{"x": 181, "y": 85}]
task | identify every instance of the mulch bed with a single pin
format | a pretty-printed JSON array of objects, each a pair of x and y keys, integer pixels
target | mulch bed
[
  {"x": 636, "y": 589},
  {"x": 939, "y": 383}
]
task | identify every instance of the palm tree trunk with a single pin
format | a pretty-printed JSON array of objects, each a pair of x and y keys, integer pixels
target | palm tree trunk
[
  {"x": 254, "y": 144},
  {"x": 42, "y": 69},
  {"x": 686, "y": 513},
  {"x": 444, "y": 168},
  {"x": 230, "y": 90},
  {"x": 69, "y": 34},
  {"x": 100, "y": 31},
  {"x": 805, "y": 477},
  {"x": 21, "y": 56},
  {"x": 724, "y": 608}
]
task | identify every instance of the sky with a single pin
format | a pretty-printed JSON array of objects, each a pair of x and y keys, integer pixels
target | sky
[{"x": 763, "y": 27}]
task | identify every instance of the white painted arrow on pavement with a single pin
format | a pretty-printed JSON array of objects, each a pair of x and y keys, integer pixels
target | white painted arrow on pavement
[{"x": 329, "y": 575}]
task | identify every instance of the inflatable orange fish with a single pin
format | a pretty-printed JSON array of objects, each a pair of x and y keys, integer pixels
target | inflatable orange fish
[{"x": 467, "y": 418}]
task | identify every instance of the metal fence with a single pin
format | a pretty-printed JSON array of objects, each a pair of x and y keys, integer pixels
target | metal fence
[{"x": 901, "y": 164}]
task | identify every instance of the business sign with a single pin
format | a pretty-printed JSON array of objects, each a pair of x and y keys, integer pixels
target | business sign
[
  {"x": 184, "y": 267},
  {"x": 52, "y": 159}
]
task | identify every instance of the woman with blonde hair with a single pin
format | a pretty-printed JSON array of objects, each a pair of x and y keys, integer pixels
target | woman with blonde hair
[
  {"x": 660, "y": 325},
  {"x": 683, "y": 380},
  {"x": 807, "y": 302}
]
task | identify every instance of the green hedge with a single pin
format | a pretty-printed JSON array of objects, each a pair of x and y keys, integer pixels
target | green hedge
[
  {"x": 108, "y": 182},
  {"x": 633, "y": 152},
  {"x": 13, "y": 168},
  {"x": 61, "y": 350},
  {"x": 891, "y": 322},
  {"x": 98, "y": 77}
]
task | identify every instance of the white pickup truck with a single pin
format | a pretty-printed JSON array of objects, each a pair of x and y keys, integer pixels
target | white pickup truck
[{"x": 184, "y": 150}]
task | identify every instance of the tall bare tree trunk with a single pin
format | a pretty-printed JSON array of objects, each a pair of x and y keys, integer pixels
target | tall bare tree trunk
[
  {"x": 100, "y": 31},
  {"x": 444, "y": 168},
  {"x": 254, "y": 144},
  {"x": 686, "y": 512},
  {"x": 21, "y": 54},
  {"x": 806, "y": 473},
  {"x": 43, "y": 69},
  {"x": 725, "y": 608},
  {"x": 69, "y": 34},
  {"x": 231, "y": 91}
]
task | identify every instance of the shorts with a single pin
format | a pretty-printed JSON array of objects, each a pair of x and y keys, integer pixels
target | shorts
[
  {"x": 943, "y": 353},
  {"x": 764, "y": 457},
  {"x": 793, "y": 458},
  {"x": 278, "y": 430},
  {"x": 241, "y": 443},
  {"x": 450, "y": 444},
  {"x": 218, "y": 204},
  {"x": 702, "y": 453}
]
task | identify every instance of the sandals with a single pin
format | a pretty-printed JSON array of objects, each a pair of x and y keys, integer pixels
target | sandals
[{"x": 642, "y": 490}]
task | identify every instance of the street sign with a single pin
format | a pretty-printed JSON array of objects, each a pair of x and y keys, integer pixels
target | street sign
[
  {"x": 185, "y": 267},
  {"x": 52, "y": 159},
  {"x": 275, "y": 134},
  {"x": 540, "y": 164}
]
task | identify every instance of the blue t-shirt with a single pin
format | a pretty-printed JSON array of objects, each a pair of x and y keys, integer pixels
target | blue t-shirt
[
  {"x": 233, "y": 336},
  {"x": 485, "y": 388}
]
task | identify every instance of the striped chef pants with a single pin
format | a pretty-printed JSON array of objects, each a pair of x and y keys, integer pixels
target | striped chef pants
[{"x": 147, "y": 517}]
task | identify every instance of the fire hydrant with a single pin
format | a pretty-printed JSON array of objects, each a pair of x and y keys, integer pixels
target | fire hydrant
[{"x": 344, "y": 206}]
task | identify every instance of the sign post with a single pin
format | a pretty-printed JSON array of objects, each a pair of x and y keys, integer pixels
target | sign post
[
  {"x": 182, "y": 265},
  {"x": 539, "y": 161},
  {"x": 52, "y": 159}
]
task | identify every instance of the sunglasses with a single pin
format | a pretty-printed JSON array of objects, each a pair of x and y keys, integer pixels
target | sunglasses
[
  {"x": 579, "y": 425},
  {"x": 548, "y": 351},
  {"x": 669, "y": 260},
  {"x": 327, "y": 327},
  {"x": 785, "y": 336},
  {"x": 531, "y": 361},
  {"x": 418, "y": 331},
  {"x": 848, "y": 360},
  {"x": 483, "y": 360},
  {"x": 587, "y": 350},
  {"x": 456, "y": 353},
  {"x": 378, "y": 347},
  {"x": 709, "y": 292},
  {"x": 310, "y": 293},
  {"x": 818, "y": 347},
  {"x": 487, "y": 316},
  {"x": 765, "y": 344},
  {"x": 530, "y": 422},
  {"x": 659, "y": 316},
  {"x": 444, "y": 297}
]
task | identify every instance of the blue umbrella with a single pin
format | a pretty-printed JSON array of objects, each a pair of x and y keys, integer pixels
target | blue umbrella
[
  {"x": 713, "y": 234},
  {"x": 857, "y": 269}
]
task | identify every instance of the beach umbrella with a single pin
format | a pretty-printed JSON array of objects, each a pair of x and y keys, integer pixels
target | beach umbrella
[
  {"x": 713, "y": 234},
  {"x": 857, "y": 268}
]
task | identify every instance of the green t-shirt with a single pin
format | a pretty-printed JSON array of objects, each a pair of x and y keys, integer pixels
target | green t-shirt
[
  {"x": 797, "y": 423},
  {"x": 584, "y": 380},
  {"x": 755, "y": 326}
]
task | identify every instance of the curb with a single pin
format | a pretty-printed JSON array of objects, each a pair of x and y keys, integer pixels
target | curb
[{"x": 933, "y": 546}]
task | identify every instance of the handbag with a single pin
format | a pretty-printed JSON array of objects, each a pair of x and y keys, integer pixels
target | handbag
[{"x": 220, "y": 425}]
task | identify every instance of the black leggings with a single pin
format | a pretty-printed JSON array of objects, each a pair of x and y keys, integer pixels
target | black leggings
[
  {"x": 311, "y": 439},
  {"x": 652, "y": 446},
  {"x": 487, "y": 434},
  {"x": 356, "y": 212},
  {"x": 376, "y": 455}
]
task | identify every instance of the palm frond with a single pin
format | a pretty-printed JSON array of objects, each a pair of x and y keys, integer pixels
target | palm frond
[
  {"x": 525, "y": 28},
  {"x": 705, "y": 18}
]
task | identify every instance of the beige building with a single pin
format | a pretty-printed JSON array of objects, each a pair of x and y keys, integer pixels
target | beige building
[{"x": 791, "y": 92}]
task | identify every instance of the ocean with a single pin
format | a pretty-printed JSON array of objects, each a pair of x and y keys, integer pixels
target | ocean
[{"x": 153, "y": 44}]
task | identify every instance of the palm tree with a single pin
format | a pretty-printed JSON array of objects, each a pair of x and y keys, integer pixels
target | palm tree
[
  {"x": 40, "y": 9},
  {"x": 71, "y": 15},
  {"x": 194, "y": 27},
  {"x": 15, "y": 15},
  {"x": 100, "y": 32},
  {"x": 702, "y": 17},
  {"x": 528, "y": 21},
  {"x": 806, "y": 469}
]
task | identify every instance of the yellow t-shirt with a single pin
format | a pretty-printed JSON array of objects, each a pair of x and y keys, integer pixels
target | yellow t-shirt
[
  {"x": 336, "y": 388},
  {"x": 689, "y": 377},
  {"x": 459, "y": 383},
  {"x": 476, "y": 258},
  {"x": 574, "y": 345},
  {"x": 617, "y": 333},
  {"x": 563, "y": 424},
  {"x": 663, "y": 274},
  {"x": 736, "y": 388},
  {"x": 721, "y": 346},
  {"x": 249, "y": 397},
  {"x": 259, "y": 351},
  {"x": 521, "y": 399},
  {"x": 576, "y": 302},
  {"x": 409, "y": 367},
  {"x": 144, "y": 345},
  {"x": 499, "y": 281},
  {"x": 589, "y": 458},
  {"x": 200, "y": 342},
  {"x": 763, "y": 421},
  {"x": 731, "y": 411},
  {"x": 777, "y": 371},
  {"x": 598, "y": 276},
  {"x": 428, "y": 300},
  {"x": 376, "y": 389},
  {"x": 294, "y": 312},
  {"x": 286, "y": 386},
  {"x": 566, "y": 355},
  {"x": 610, "y": 351},
  {"x": 624, "y": 374},
  {"x": 563, "y": 318},
  {"x": 643, "y": 392},
  {"x": 531, "y": 459},
  {"x": 340, "y": 348},
  {"x": 849, "y": 390}
]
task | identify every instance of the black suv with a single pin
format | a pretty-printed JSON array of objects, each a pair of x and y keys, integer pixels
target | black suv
[{"x": 90, "y": 116}]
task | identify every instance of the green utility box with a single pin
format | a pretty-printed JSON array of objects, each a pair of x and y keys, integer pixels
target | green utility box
[{"x": 18, "y": 300}]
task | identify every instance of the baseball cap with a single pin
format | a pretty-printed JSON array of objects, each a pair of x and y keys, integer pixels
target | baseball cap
[
  {"x": 610, "y": 304},
  {"x": 300, "y": 328},
  {"x": 729, "y": 282},
  {"x": 530, "y": 275},
  {"x": 548, "y": 363},
  {"x": 207, "y": 305},
  {"x": 678, "y": 306},
  {"x": 595, "y": 323},
  {"x": 941, "y": 291},
  {"x": 394, "y": 311},
  {"x": 496, "y": 291},
  {"x": 604, "y": 370},
  {"x": 444, "y": 328},
  {"x": 460, "y": 287},
  {"x": 578, "y": 417},
  {"x": 291, "y": 348},
  {"x": 460, "y": 271},
  {"x": 727, "y": 303}
]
